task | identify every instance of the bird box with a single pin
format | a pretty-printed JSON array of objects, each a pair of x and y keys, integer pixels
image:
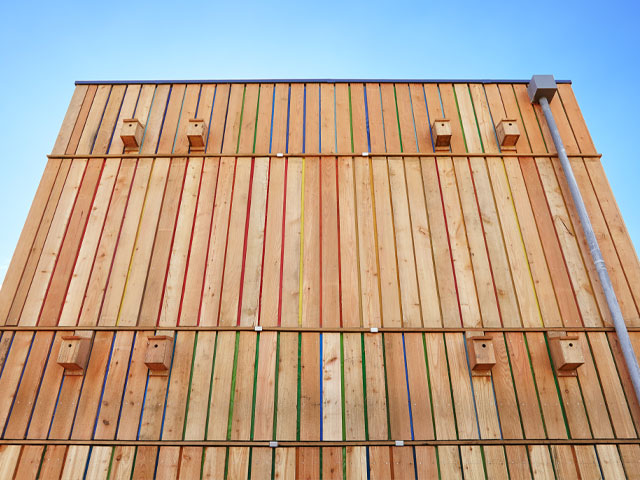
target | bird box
[
  {"x": 131, "y": 134},
  {"x": 196, "y": 131},
  {"x": 566, "y": 353},
  {"x": 441, "y": 130},
  {"x": 73, "y": 354},
  {"x": 482, "y": 357},
  {"x": 508, "y": 134},
  {"x": 158, "y": 355}
]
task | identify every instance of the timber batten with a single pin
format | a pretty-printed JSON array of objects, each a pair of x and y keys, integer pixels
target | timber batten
[{"x": 365, "y": 273}]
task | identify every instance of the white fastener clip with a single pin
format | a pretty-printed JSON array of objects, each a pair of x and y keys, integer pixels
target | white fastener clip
[
  {"x": 273, "y": 444},
  {"x": 365, "y": 154},
  {"x": 374, "y": 329},
  {"x": 279, "y": 154},
  {"x": 258, "y": 328},
  {"x": 399, "y": 443}
]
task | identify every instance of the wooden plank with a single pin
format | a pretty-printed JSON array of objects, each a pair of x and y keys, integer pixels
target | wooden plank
[
  {"x": 443, "y": 413},
  {"x": 168, "y": 463},
  {"x": 75, "y": 462},
  {"x": 332, "y": 463},
  {"x": 587, "y": 462},
  {"x": 133, "y": 397},
  {"x": 173, "y": 405},
  {"x": 472, "y": 463},
  {"x": 122, "y": 462},
  {"x": 261, "y": 463},
  {"x": 426, "y": 462},
  {"x": 399, "y": 417},
  {"x": 200, "y": 388},
  {"x": 377, "y": 421},
  {"x": 403, "y": 464},
  {"x": 26, "y": 391},
  {"x": 145, "y": 462},
  {"x": 9, "y": 456},
  {"x": 285, "y": 463},
  {"x": 99, "y": 461},
  {"x": 331, "y": 388},
  {"x": 195, "y": 269},
  {"x": 250, "y": 309},
  {"x": 244, "y": 386},
  {"x": 287, "y": 386},
  {"x": 264, "y": 411},
  {"x": 550, "y": 399},
  {"x": 418, "y": 383},
  {"x": 307, "y": 463},
  {"x": 541, "y": 466},
  {"x": 90, "y": 396},
  {"x": 310, "y": 401},
  {"x": 449, "y": 462},
  {"x": 192, "y": 464},
  {"x": 221, "y": 386},
  {"x": 630, "y": 455},
  {"x": 354, "y": 417},
  {"x": 496, "y": 463},
  {"x": 356, "y": 463},
  {"x": 379, "y": 462},
  {"x": 519, "y": 465},
  {"x": 609, "y": 460},
  {"x": 238, "y": 464},
  {"x": 370, "y": 293},
  {"x": 29, "y": 463},
  {"x": 506, "y": 400},
  {"x": 525, "y": 386},
  {"x": 57, "y": 457}
]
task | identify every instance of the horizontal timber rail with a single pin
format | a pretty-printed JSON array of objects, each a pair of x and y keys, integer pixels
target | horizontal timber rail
[
  {"x": 324, "y": 154},
  {"x": 212, "y": 328},
  {"x": 305, "y": 80},
  {"x": 324, "y": 443}
]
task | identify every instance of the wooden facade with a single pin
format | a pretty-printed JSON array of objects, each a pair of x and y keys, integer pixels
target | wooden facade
[{"x": 320, "y": 213}]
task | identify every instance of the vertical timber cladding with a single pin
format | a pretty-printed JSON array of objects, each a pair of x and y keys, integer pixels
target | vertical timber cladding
[{"x": 284, "y": 224}]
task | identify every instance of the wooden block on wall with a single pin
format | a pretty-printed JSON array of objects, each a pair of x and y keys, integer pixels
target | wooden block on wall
[
  {"x": 73, "y": 354},
  {"x": 441, "y": 130},
  {"x": 508, "y": 134},
  {"x": 131, "y": 134},
  {"x": 482, "y": 357},
  {"x": 196, "y": 132},
  {"x": 566, "y": 353},
  {"x": 158, "y": 355}
]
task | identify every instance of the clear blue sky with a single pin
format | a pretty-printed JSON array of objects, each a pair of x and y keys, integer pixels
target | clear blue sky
[{"x": 46, "y": 46}]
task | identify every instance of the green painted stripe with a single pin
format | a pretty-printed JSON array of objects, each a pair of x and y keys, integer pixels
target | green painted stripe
[
  {"x": 255, "y": 387},
  {"x": 426, "y": 361},
  {"x": 277, "y": 384},
  {"x": 193, "y": 361},
  {"x": 395, "y": 97},
  {"x": 213, "y": 366},
  {"x": 233, "y": 386},
  {"x": 364, "y": 387}
]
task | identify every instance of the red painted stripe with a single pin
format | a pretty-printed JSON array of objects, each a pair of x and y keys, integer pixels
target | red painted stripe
[
  {"x": 246, "y": 234},
  {"x": 193, "y": 226},
  {"x": 486, "y": 246}
]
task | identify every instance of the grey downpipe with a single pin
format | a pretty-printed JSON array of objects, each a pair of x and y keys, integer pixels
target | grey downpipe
[{"x": 596, "y": 254}]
